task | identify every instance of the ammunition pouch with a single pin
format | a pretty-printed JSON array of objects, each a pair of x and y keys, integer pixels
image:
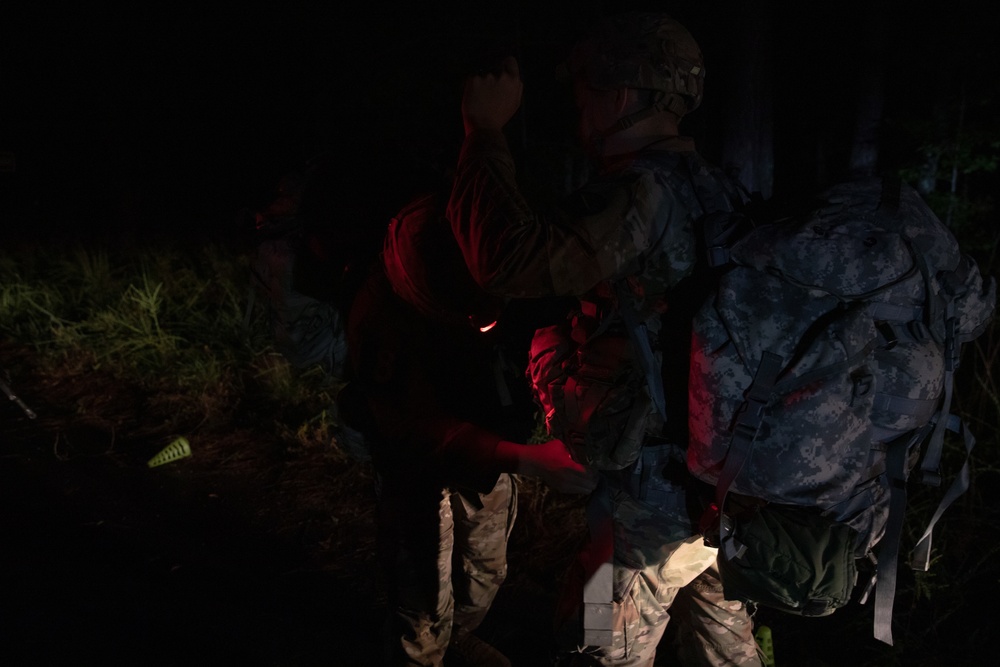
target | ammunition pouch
[{"x": 594, "y": 396}]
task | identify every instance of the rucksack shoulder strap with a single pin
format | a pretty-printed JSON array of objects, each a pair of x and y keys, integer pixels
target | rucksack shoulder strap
[
  {"x": 896, "y": 468},
  {"x": 921, "y": 554},
  {"x": 747, "y": 423},
  {"x": 644, "y": 352},
  {"x": 724, "y": 217},
  {"x": 886, "y": 566}
]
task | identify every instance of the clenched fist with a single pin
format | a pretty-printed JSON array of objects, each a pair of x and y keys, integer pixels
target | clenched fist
[{"x": 490, "y": 100}]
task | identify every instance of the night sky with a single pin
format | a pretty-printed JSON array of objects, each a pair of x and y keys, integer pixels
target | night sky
[{"x": 153, "y": 115}]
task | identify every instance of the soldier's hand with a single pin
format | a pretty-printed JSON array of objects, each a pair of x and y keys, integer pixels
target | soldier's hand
[
  {"x": 490, "y": 100},
  {"x": 551, "y": 461}
]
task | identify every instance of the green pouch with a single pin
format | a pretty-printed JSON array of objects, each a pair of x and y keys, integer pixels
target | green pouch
[{"x": 785, "y": 557}]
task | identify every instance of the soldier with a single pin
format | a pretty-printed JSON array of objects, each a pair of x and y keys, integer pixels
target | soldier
[
  {"x": 625, "y": 246},
  {"x": 425, "y": 395}
]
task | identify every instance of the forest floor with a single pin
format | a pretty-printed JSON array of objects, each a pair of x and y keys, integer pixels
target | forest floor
[
  {"x": 247, "y": 553},
  {"x": 244, "y": 553}
]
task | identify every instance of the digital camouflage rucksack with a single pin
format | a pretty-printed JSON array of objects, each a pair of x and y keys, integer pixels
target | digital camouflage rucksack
[{"x": 821, "y": 369}]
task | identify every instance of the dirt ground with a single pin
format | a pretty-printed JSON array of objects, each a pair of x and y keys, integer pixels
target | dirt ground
[
  {"x": 248, "y": 553},
  {"x": 244, "y": 553}
]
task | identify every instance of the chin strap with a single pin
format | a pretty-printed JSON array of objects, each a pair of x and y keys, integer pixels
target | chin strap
[{"x": 675, "y": 104}]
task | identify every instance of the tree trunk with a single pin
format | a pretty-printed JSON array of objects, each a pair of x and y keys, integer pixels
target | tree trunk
[
  {"x": 748, "y": 143},
  {"x": 863, "y": 159}
]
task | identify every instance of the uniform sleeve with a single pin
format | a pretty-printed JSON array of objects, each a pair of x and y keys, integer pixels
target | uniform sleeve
[{"x": 514, "y": 251}]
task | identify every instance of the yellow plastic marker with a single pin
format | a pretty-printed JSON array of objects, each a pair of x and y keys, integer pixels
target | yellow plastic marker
[
  {"x": 766, "y": 644},
  {"x": 177, "y": 449}
]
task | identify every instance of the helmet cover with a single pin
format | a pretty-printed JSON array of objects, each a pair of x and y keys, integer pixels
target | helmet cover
[{"x": 642, "y": 50}]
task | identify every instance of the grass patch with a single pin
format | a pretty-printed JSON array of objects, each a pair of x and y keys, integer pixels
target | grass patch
[{"x": 167, "y": 322}]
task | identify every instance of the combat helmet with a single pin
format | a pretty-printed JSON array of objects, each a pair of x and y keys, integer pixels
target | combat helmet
[{"x": 643, "y": 50}]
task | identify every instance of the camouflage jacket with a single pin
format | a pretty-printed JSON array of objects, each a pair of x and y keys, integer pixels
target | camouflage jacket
[
  {"x": 636, "y": 219},
  {"x": 635, "y": 222}
]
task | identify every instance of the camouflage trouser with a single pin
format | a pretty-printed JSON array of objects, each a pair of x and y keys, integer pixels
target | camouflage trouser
[
  {"x": 448, "y": 559},
  {"x": 712, "y": 631},
  {"x": 656, "y": 561}
]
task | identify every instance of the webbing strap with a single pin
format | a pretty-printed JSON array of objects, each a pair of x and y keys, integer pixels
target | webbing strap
[
  {"x": 889, "y": 551},
  {"x": 672, "y": 104},
  {"x": 598, "y": 590},
  {"x": 930, "y": 467},
  {"x": 921, "y": 409},
  {"x": 921, "y": 555},
  {"x": 885, "y": 588},
  {"x": 748, "y": 421},
  {"x": 718, "y": 232},
  {"x": 882, "y": 310},
  {"x": 640, "y": 341}
]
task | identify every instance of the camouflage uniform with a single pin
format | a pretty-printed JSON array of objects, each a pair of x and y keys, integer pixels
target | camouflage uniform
[
  {"x": 635, "y": 221},
  {"x": 431, "y": 417},
  {"x": 712, "y": 630},
  {"x": 447, "y": 553}
]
